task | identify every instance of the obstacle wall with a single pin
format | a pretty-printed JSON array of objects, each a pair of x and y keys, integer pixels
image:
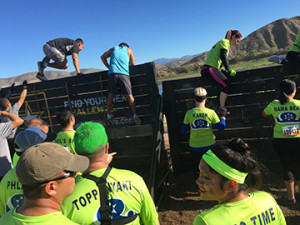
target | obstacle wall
[
  {"x": 139, "y": 148},
  {"x": 251, "y": 92}
]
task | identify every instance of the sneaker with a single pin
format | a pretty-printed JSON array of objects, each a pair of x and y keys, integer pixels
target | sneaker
[
  {"x": 137, "y": 119},
  {"x": 110, "y": 116},
  {"x": 41, "y": 77},
  {"x": 41, "y": 67},
  {"x": 292, "y": 203},
  {"x": 223, "y": 111}
]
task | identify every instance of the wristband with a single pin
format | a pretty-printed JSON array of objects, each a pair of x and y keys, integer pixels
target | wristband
[
  {"x": 24, "y": 87},
  {"x": 223, "y": 117},
  {"x": 78, "y": 72}
]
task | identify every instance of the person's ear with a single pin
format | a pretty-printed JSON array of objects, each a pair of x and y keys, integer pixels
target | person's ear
[
  {"x": 50, "y": 188},
  {"x": 231, "y": 186},
  {"x": 106, "y": 148}
]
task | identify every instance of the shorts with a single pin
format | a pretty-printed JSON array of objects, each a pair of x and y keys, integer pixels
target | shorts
[
  {"x": 288, "y": 153},
  {"x": 122, "y": 81},
  {"x": 55, "y": 55},
  {"x": 216, "y": 77}
]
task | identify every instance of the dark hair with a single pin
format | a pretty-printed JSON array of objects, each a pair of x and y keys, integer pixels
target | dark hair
[
  {"x": 238, "y": 155},
  {"x": 3, "y": 103},
  {"x": 124, "y": 44},
  {"x": 286, "y": 87},
  {"x": 230, "y": 33},
  {"x": 79, "y": 41},
  {"x": 64, "y": 116}
]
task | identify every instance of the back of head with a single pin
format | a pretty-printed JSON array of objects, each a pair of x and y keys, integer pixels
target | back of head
[
  {"x": 238, "y": 155},
  {"x": 79, "y": 41},
  {"x": 3, "y": 103},
  {"x": 64, "y": 117},
  {"x": 89, "y": 138},
  {"x": 29, "y": 137},
  {"x": 286, "y": 87},
  {"x": 39, "y": 123},
  {"x": 124, "y": 44},
  {"x": 200, "y": 94},
  {"x": 231, "y": 33}
]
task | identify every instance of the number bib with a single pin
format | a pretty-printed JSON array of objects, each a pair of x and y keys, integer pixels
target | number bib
[{"x": 291, "y": 130}]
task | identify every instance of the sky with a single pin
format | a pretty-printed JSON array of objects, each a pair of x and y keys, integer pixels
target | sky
[{"x": 153, "y": 29}]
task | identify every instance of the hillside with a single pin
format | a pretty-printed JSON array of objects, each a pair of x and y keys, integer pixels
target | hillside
[
  {"x": 51, "y": 75},
  {"x": 274, "y": 38}
]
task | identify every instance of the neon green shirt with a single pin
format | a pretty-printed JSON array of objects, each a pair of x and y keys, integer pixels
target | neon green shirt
[
  {"x": 286, "y": 118},
  {"x": 11, "y": 192},
  {"x": 296, "y": 46},
  {"x": 66, "y": 138},
  {"x": 259, "y": 208},
  {"x": 213, "y": 57},
  {"x": 201, "y": 121},
  {"x": 16, "y": 158},
  {"x": 14, "y": 218},
  {"x": 127, "y": 195}
]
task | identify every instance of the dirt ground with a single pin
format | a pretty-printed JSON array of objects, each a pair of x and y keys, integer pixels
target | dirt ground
[{"x": 181, "y": 202}]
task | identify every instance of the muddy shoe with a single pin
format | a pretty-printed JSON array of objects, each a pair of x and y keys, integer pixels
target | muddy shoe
[
  {"x": 292, "y": 204},
  {"x": 41, "y": 77},
  {"x": 223, "y": 112},
  {"x": 137, "y": 119}
]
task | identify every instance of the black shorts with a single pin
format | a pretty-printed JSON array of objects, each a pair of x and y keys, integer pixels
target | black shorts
[
  {"x": 288, "y": 153},
  {"x": 122, "y": 81},
  {"x": 216, "y": 77}
]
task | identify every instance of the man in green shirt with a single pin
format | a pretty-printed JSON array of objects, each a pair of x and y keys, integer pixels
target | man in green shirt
[
  {"x": 127, "y": 194},
  {"x": 46, "y": 172},
  {"x": 65, "y": 137}
]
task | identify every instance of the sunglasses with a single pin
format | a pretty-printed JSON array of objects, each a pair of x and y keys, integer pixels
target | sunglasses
[{"x": 64, "y": 176}]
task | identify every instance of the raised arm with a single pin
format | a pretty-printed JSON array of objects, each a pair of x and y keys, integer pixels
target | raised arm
[
  {"x": 131, "y": 57},
  {"x": 16, "y": 121},
  {"x": 23, "y": 94},
  {"x": 76, "y": 62}
]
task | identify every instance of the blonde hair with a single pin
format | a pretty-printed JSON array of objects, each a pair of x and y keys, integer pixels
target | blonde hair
[{"x": 200, "y": 94}]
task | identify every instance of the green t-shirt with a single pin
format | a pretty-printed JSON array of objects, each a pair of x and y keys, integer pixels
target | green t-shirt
[
  {"x": 259, "y": 208},
  {"x": 16, "y": 158},
  {"x": 286, "y": 118},
  {"x": 296, "y": 46},
  {"x": 127, "y": 195},
  {"x": 66, "y": 138},
  {"x": 213, "y": 58},
  {"x": 14, "y": 218},
  {"x": 11, "y": 192},
  {"x": 201, "y": 121}
]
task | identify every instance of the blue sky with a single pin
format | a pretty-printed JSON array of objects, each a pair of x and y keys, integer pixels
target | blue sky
[{"x": 153, "y": 29}]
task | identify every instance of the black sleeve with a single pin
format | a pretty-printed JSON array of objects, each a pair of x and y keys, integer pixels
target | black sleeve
[{"x": 223, "y": 57}]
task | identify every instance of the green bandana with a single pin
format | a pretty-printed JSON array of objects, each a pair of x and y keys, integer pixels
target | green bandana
[{"x": 222, "y": 168}]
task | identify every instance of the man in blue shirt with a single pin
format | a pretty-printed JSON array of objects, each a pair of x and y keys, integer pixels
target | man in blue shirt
[{"x": 121, "y": 57}]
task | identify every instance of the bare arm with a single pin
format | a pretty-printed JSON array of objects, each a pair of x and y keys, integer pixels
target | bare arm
[
  {"x": 105, "y": 56},
  {"x": 76, "y": 62},
  {"x": 265, "y": 115},
  {"x": 22, "y": 97},
  {"x": 131, "y": 57},
  {"x": 16, "y": 121}
]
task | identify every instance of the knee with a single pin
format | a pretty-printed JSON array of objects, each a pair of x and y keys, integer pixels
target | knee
[{"x": 66, "y": 67}]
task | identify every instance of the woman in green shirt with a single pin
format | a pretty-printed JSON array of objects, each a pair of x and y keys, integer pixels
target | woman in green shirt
[
  {"x": 216, "y": 68},
  {"x": 286, "y": 137},
  {"x": 226, "y": 171}
]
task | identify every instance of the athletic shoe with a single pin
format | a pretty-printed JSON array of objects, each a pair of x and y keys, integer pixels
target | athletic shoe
[
  {"x": 41, "y": 77},
  {"x": 41, "y": 68},
  {"x": 110, "y": 116},
  {"x": 292, "y": 203},
  {"x": 137, "y": 119},
  {"x": 223, "y": 111}
]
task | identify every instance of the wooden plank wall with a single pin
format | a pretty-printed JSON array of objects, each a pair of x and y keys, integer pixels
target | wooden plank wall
[
  {"x": 251, "y": 91},
  {"x": 86, "y": 96}
]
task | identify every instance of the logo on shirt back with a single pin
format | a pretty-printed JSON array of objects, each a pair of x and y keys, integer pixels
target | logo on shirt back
[
  {"x": 287, "y": 117},
  {"x": 116, "y": 207},
  {"x": 14, "y": 202},
  {"x": 200, "y": 124}
]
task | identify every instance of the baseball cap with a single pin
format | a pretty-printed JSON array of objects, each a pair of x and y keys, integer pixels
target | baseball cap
[
  {"x": 44, "y": 161},
  {"x": 29, "y": 137}
]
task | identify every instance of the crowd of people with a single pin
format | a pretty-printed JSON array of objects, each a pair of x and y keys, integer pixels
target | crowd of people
[{"x": 68, "y": 180}]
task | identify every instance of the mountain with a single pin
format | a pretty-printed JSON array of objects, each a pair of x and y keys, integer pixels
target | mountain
[
  {"x": 166, "y": 60},
  {"x": 279, "y": 34},
  {"x": 51, "y": 75}
]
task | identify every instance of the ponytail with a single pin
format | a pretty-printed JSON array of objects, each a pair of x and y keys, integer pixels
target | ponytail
[{"x": 287, "y": 87}]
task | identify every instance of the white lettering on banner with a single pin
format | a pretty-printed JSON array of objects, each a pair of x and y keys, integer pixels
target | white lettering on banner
[{"x": 94, "y": 101}]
